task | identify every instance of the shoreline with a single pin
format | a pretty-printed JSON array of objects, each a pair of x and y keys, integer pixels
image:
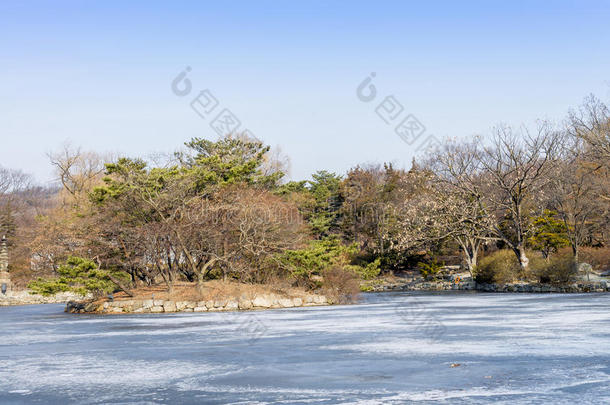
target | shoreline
[
  {"x": 213, "y": 296},
  {"x": 274, "y": 301},
  {"x": 395, "y": 284},
  {"x": 24, "y": 297},
  {"x": 152, "y": 306},
  {"x": 78, "y": 304}
]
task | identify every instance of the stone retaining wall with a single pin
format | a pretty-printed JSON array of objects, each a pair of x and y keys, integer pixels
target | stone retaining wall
[
  {"x": 24, "y": 297},
  {"x": 581, "y": 287},
  {"x": 159, "y": 306}
]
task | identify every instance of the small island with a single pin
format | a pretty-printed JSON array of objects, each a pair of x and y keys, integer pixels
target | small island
[{"x": 220, "y": 296}]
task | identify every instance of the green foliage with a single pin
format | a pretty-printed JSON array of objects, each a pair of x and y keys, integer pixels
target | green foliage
[
  {"x": 367, "y": 271},
  {"x": 230, "y": 160},
  {"x": 48, "y": 287},
  {"x": 320, "y": 255},
  {"x": 549, "y": 233},
  {"x": 81, "y": 276},
  {"x": 312, "y": 260},
  {"x": 366, "y": 288},
  {"x": 324, "y": 213},
  {"x": 318, "y": 200},
  {"x": 431, "y": 268},
  {"x": 123, "y": 176},
  {"x": 499, "y": 267},
  {"x": 292, "y": 187}
]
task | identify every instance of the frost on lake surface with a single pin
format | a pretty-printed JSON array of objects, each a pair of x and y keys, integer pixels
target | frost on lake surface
[{"x": 391, "y": 349}]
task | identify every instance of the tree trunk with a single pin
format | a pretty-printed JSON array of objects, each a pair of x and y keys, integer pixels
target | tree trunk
[
  {"x": 472, "y": 264},
  {"x": 575, "y": 261},
  {"x": 117, "y": 282},
  {"x": 201, "y": 275},
  {"x": 471, "y": 260},
  {"x": 546, "y": 254},
  {"x": 200, "y": 283},
  {"x": 225, "y": 249},
  {"x": 523, "y": 259},
  {"x": 575, "y": 252},
  {"x": 120, "y": 285},
  {"x": 471, "y": 253}
]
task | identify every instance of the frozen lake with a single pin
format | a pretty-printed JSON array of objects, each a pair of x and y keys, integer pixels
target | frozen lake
[{"x": 393, "y": 348}]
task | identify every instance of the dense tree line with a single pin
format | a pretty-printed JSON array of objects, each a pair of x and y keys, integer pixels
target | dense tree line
[{"x": 221, "y": 210}]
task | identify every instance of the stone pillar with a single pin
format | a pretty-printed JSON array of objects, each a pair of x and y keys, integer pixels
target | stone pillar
[{"x": 4, "y": 275}]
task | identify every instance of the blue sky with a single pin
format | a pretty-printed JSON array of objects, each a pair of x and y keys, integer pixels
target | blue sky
[{"x": 99, "y": 73}]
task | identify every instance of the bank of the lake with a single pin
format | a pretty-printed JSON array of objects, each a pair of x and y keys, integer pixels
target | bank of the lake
[
  {"x": 212, "y": 297},
  {"x": 243, "y": 297},
  {"x": 465, "y": 283},
  {"x": 248, "y": 297},
  {"x": 25, "y": 297}
]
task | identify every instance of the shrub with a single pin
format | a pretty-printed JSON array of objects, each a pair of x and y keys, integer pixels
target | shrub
[
  {"x": 502, "y": 267},
  {"x": 306, "y": 265},
  {"x": 367, "y": 271},
  {"x": 499, "y": 267},
  {"x": 366, "y": 288},
  {"x": 537, "y": 264},
  {"x": 81, "y": 276},
  {"x": 340, "y": 285},
  {"x": 559, "y": 269},
  {"x": 431, "y": 268}
]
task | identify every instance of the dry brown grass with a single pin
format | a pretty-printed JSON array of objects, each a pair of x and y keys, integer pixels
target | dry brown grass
[
  {"x": 599, "y": 258},
  {"x": 212, "y": 290},
  {"x": 499, "y": 267},
  {"x": 340, "y": 285}
]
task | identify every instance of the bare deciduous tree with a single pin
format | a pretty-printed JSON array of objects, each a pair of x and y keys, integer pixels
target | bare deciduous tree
[
  {"x": 462, "y": 212},
  {"x": 501, "y": 180},
  {"x": 572, "y": 193},
  {"x": 78, "y": 170},
  {"x": 515, "y": 168},
  {"x": 591, "y": 123},
  {"x": 446, "y": 206}
]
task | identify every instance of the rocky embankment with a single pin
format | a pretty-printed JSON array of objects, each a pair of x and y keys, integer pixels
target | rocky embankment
[
  {"x": 24, "y": 297},
  {"x": 266, "y": 301},
  {"x": 580, "y": 287},
  {"x": 470, "y": 285},
  {"x": 423, "y": 285}
]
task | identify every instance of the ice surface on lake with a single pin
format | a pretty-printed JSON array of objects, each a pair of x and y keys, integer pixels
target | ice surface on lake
[{"x": 391, "y": 349}]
